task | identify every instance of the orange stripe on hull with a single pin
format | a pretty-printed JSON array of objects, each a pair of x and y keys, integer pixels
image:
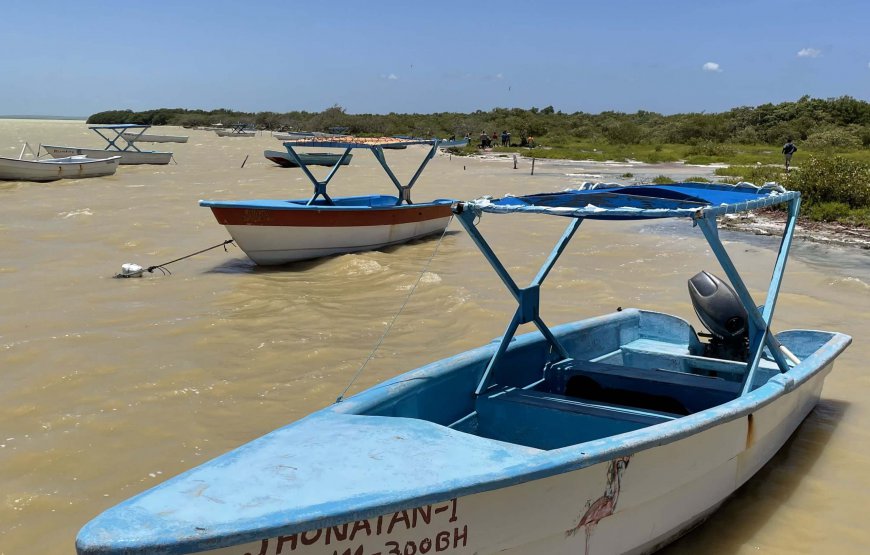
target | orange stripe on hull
[{"x": 313, "y": 217}]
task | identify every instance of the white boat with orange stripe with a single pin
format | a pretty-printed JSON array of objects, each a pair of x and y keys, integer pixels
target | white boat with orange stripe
[{"x": 273, "y": 232}]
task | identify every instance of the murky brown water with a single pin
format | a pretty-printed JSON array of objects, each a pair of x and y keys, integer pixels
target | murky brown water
[{"x": 110, "y": 386}]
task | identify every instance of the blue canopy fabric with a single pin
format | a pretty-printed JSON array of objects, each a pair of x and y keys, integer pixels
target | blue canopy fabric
[
  {"x": 606, "y": 201},
  {"x": 120, "y": 126}
]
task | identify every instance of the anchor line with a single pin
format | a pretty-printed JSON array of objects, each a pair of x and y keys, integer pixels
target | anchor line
[
  {"x": 340, "y": 398},
  {"x": 160, "y": 267}
]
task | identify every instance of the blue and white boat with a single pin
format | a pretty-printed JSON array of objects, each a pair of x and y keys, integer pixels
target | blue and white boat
[
  {"x": 279, "y": 231},
  {"x": 612, "y": 434}
]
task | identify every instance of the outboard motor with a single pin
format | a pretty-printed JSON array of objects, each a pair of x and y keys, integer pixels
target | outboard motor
[{"x": 719, "y": 309}]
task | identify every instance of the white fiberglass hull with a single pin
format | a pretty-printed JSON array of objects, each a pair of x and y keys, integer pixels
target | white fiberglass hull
[
  {"x": 75, "y": 167},
  {"x": 271, "y": 245},
  {"x": 275, "y": 232},
  {"x": 127, "y": 156},
  {"x": 633, "y": 504}
]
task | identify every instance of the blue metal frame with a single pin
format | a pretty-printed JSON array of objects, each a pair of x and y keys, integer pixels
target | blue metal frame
[
  {"x": 528, "y": 298},
  {"x": 348, "y": 145},
  {"x": 119, "y": 131},
  {"x": 760, "y": 335}
]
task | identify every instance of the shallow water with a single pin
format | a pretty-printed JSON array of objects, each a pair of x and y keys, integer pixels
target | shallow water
[{"x": 111, "y": 386}]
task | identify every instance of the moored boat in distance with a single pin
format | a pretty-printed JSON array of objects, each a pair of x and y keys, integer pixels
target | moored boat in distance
[
  {"x": 273, "y": 232},
  {"x": 299, "y": 135},
  {"x": 611, "y": 434},
  {"x": 284, "y": 160},
  {"x": 52, "y": 169},
  {"x": 236, "y": 130},
  {"x": 129, "y": 152},
  {"x": 153, "y": 138}
]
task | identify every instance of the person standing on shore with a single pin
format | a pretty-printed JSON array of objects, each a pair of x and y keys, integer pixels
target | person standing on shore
[{"x": 788, "y": 149}]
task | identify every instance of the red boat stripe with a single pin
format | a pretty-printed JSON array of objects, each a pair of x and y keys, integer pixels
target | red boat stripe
[{"x": 329, "y": 218}]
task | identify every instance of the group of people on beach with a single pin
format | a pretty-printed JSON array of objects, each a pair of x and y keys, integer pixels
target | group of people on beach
[{"x": 487, "y": 140}]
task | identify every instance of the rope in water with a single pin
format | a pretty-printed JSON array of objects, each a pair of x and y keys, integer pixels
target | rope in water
[
  {"x": 162, "y": 267},
  {"x": 396, "y": 315}
]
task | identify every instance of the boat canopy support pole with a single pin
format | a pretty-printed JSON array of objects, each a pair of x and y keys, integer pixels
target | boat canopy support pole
[
  {"x": 119, "y": 135},
  {"x": 404, "y": 190},
  {"x": 319, "y": 186},
  {"x": 773, "y": 293},
  {"x": 759, "y": 323},
  {"x": 528, "y": 298}
]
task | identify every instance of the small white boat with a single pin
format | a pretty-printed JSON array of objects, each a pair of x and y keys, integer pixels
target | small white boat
[
  {"x": 613, "y": 434},
  {"x": 52, "y": 169},
  {"x": 284, "y": 159},
  {"x": 127, "y": 156},
  {"x": 152, "y": 138},
  {"x": 129, "y": 152},
  {"x": 279, "y": 231}
]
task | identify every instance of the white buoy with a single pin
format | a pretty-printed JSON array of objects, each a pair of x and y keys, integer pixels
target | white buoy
[{"x": 131, "y": 270}]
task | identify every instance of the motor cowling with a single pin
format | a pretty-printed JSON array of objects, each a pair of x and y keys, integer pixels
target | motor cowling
[{"x": 720, "y": 311}]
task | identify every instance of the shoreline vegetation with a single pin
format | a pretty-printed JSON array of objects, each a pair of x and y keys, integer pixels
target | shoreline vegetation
[{"x": 831, "y": 168}]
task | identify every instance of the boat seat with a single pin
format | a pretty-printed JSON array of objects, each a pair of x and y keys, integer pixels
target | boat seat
[
  {"x": 592, "y": 408},
  {"x": 652, "y": 389},
  {"x": 550, "y": 421}
]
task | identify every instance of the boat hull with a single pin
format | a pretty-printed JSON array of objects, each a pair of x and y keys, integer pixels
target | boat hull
[
  {"x": 643, "y": 501},
  {"x": 127, "y": 156},
  {"x": 279, "y": 232},
  {"x": 52, "y": 170},
  {"x": 310, "y": 158}
]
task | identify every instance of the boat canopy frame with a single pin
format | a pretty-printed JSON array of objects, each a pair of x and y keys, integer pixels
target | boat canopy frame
[
  {"x": 350, "y": 143},
  {"x": 135, "y": 129},
  {"x": 622, "y": 204}
]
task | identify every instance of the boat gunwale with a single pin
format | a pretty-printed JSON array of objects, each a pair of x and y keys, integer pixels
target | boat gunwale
[{"x": 299, "y": 204}]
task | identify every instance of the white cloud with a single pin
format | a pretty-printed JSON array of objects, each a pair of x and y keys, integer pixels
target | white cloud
[
  {"x": 390, "y": 77},
  {"x": 711, "y": 66},
  {"x": 809, "y": 53}
]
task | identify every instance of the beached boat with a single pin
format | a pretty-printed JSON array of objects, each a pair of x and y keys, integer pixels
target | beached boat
[
  {"x": 237, "y": 130},
  {"x": 613, "y": 434},
  {"x": 310, "y": 158},
  {"x": 52, "y": 169},
  {"x": 128, "y": 151},
  {"x": 152, "y": 138},
  {"x": 280, "y": 231}
]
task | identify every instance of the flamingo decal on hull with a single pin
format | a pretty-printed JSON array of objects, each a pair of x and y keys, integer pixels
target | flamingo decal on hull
[{"x": 605, "y": 505}]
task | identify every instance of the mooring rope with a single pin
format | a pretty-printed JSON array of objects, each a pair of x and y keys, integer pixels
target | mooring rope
[
  {"x": 396, "y": 315},
  {"x": 134, "y": 270}
]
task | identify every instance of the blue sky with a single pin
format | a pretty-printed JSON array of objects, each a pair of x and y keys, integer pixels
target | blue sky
[{"x": 58, "y": 58}]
